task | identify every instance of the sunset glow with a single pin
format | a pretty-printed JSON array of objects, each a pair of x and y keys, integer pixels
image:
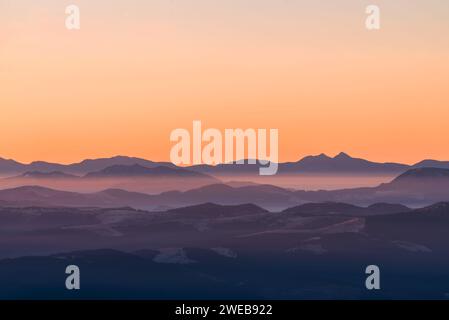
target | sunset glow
[{"x": 139, "y": 69}]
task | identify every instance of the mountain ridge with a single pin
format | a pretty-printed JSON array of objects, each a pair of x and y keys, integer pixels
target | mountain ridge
[
  {"x": 419, "y": 193},
  {"x": 321, "y": 163}
]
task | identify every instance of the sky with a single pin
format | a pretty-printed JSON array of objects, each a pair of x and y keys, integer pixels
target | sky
[{"x": 138, "y": 69}]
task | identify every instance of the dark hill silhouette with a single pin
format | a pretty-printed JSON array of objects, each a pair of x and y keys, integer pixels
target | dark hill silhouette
[
  {"x": 326, "y": 208},
  {"x": 134, "y": 177},
  {"x": 91, "y": 165},
  {"x": 81, "y": 168},
  {"x": 8, "y": 166},
  {"x": 323, "y": 164},
  {"x": 416, "y": 188},
  {"x": 45, "y": 175},
  {"x": 342, "y": 163},
  {"x": 337, "y": 208},
  {"x": 267, "y": 196},
  {"x": 432, "y": 164},
  {"x": 40, "y": 196},
  {"x": 137, "y": 170},
  {"x": 423, "y": 179},
  {"x": 426, "y": 226},
  {"x": 211, "y": 210},
  {"x": 386, "y": 208},
  {"x": 424, "y": 173}
]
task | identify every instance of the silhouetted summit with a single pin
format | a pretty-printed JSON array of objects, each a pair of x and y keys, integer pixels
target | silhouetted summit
[{"x": 341, "y": 163}]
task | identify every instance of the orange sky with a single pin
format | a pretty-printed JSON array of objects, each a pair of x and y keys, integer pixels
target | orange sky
[{"x": 138, "y": 69}]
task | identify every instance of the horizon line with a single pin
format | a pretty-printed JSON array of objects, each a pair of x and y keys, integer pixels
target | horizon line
[{"x": 192, "y": 165}]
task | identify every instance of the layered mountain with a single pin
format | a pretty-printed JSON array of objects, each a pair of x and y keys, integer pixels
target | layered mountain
[
  {"x": 336, "y": 208},
  {"x": 212, "y": 211},
  {"x": 11, "y": 167},
  {"x": 44, "y": 175},
  {"x": 222, "y": 252},
  {"x": 133, "y": 177},
  {"x": 40, "y": 196},
  {"x": 321, "y": 164},
  {"x": 425, "y": 226},
  {"x": 341, "y": 163},
  {"x": 416, "y": 187},
  {"x": 432, "y": 164},
  {"x": 421, "y": 179},
  {"x": 268, "y": 197},
  {"x": 136, "y": 170}
]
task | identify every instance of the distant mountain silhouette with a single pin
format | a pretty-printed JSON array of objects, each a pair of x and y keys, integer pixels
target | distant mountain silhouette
[
  {"x": 45, "y": 175},
  {"x": 40, "y": 196},
  {"x": 91, "y": 165},
  {"x": 134, "y": 177},
  {"x": 266, "y": 196},
  {"x": 30, "y": 193},
  {"x": 432, "y": 164},
  {"x": 141, "y": 171},
  {"x": 8, "y": 166},
  {"x": 81, "y": 168},
  {"x": 340, "y": 164},
  {"x": 414, "y": 188},
  {"x": 427, "y": 226},
  {"x": 424, "y": 173},
  {"x": 323, "y": 164},
  {"x": 423, "y": 179}
]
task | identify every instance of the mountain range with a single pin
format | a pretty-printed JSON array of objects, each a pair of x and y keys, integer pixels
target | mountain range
[
  {"x": 415, "y": 187},
  {"x": 225, "y": 251},
  {"x": 134, "y": 177},
  {"x": 8, "y": 166},
  {"x": 314, "y": 250},
  {"x": 342, "y": 163}
]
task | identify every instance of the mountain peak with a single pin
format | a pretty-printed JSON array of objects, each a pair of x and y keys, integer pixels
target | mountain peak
[
  {"x": 322, "y": 156},
  {"x": 342, "y": 155}
]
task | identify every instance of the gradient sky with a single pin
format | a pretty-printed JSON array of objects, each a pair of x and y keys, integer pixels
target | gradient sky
[{"x": 138, "y": 69}]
